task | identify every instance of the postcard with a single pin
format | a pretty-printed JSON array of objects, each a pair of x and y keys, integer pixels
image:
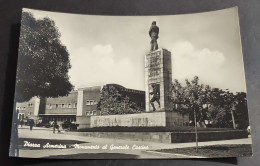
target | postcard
[{"x": 130, "y": 87}]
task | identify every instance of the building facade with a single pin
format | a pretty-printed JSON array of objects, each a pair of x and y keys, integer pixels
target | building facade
[
  {"x": 75, "y": 107},
  {"x": 29, "y": 109}
]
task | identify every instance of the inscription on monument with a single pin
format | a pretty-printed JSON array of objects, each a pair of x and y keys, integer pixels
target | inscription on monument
[
  {"x": 115, "y": 121},
  {"x": 158, "y": 77},
  {"x": 154, "y": 61}
]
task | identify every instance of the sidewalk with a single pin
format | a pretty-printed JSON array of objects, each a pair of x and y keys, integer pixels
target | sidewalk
[{"x": 46, "y": 133}]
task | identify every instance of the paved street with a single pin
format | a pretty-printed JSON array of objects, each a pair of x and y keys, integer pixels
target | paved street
[{"x": 46, "y": 133}]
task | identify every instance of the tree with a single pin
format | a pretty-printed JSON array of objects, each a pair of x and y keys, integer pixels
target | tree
[
  {"x": 227, "y": 109},
  {"x": 196, "y": 96},
  {"x": 42, "y": 68},
  {"x": 177, "y": 97},
  {"x": 221, "y": 108},
  {"x": 43, "y": 61},
  {"x": 204, "y": 103},
  {"x": 241, "y": 111},
  {"x": 193, "y": 95},
  {"x": 189, "y": 97},
  {"x": 114, "y": 103}
]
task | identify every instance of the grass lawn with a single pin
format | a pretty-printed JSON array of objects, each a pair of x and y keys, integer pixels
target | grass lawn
[
  {"x": 43, "y": 142},
  {"x": 230, "y": 150}
]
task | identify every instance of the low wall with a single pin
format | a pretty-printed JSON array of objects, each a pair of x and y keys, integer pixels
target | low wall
[{"x": 168, "y": 137}]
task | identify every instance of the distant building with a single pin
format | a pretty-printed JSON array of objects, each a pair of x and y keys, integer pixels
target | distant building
[
  {"x": 28, "y": 109},
  {"x": 60, "y": 109},
  {"x": 80, "y": 103}
]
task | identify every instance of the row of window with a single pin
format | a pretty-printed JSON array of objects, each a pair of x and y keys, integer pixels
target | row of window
[
  {"x": 21, "y": 108},
  {"x": 90, "y": 113},
  {"x": 69, "y": 105},
  {"x": 91, "y": 102},
  {"x": 24, "y": 108},
  {"x": 62, "y": 119}
]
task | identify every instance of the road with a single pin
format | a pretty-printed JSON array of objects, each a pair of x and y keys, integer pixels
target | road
[{"x": 128, "y": 148}]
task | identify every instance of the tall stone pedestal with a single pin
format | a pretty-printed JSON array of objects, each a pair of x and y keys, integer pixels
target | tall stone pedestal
[{"x": 158, "y": 72}]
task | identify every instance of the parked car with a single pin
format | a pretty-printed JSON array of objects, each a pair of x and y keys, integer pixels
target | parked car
[{"x": 69, "y": 125}]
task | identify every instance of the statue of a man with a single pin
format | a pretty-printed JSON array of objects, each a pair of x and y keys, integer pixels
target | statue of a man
[
  {"x": 156, "y": 95},
  {"x": 154, "y": 32}
]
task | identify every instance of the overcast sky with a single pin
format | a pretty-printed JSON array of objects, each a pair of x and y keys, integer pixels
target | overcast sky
[{"x": 111, "y": 49}]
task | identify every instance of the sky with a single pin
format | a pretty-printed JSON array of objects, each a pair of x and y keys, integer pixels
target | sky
[{"x": 111, "y": 49}]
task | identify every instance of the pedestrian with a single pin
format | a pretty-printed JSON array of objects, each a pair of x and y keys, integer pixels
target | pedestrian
[
  {"x": 58, "y": 128},
  {"x": 54, "y": 125},
  {"x": 21, "y": 123},
  {"x": 31, "y": 123}
]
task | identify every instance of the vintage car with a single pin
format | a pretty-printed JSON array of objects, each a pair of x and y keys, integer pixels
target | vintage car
[{"x": 69, "y": 125}]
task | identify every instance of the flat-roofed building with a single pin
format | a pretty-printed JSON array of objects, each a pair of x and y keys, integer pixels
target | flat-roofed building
[
  {"x": 60, "y": 108},
  {"x": 29, "y": 109},
  {"x": 76, "y": 105}
]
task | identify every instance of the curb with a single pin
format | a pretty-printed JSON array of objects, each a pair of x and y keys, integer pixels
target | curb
[{"x": 170, "y": 155}]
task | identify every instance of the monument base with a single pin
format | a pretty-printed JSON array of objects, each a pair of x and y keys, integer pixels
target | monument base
[{"x": 151, "y": 119}]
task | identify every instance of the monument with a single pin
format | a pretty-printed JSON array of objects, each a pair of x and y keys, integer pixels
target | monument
[
  {"x": 158, "y": 74},
  {"x": 158, "y": 79}
]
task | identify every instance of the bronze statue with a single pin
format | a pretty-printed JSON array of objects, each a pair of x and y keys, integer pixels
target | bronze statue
[
  {"x": 154, "y": 32},
  {"x": 156, "y": 95}
]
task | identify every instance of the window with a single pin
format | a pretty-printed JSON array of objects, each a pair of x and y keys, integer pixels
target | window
[
  {"x": 62, "y": 105},
  {"x": 19, "y": 108},
  {"x": 69, "y": 105},
  {"x": 49, "y": 106},
  {"x": 90, "y": 113},
  {"x": 90, "y": 102},
  {"x": 30, "y": 104},
  {"x": 75, "y": 105},
  {"x": 57, "y": 105}
]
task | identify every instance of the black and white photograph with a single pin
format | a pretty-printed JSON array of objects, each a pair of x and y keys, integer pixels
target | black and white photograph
[{"x": 130, "y": 87}]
